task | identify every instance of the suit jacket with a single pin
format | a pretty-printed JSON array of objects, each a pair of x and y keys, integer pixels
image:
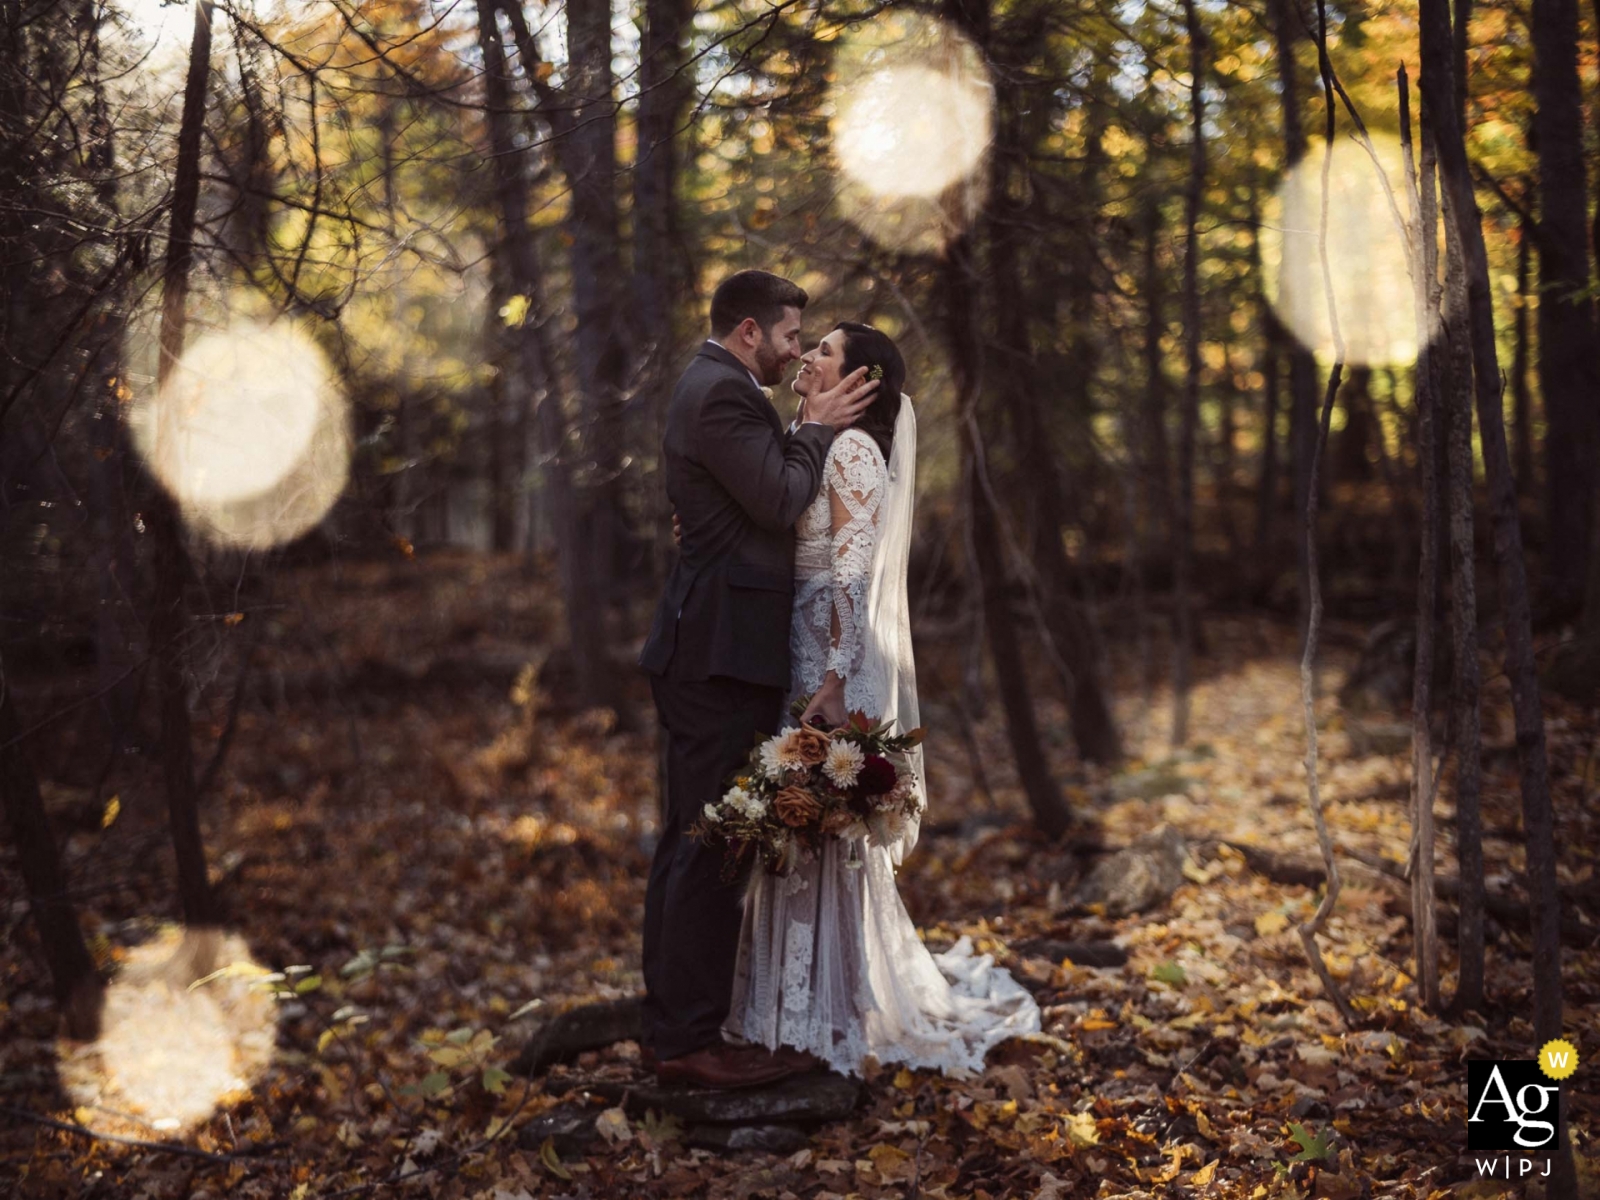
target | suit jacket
[{"x": 738, "y": 482}]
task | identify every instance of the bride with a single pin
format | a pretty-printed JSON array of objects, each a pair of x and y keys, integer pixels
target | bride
[{"x": 829, "y": 961}]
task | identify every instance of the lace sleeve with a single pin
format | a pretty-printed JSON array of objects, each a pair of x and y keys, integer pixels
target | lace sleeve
[{"x": 856, "y": 476}]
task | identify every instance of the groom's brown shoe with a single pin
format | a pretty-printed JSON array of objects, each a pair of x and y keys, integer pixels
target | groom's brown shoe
[
  {"x": 801, "y": 1060},
  {"x": 721, "y": 1065}
]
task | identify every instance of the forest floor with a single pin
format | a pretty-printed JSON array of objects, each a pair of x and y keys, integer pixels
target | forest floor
[{"x": 431, "y": 852}]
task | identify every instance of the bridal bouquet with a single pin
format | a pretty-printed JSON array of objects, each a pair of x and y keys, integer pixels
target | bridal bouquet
[{"x": 808, "y": 784}]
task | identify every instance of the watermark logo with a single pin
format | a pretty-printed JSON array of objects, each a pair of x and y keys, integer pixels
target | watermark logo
[{"x": 1514, "y": 1105}]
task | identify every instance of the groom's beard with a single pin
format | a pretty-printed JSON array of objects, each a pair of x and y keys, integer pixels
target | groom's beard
[{"x": 770, "y": 365}]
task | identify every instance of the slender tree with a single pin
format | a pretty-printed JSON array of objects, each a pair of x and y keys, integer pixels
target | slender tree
[
  {"x": 1569, "y": 362},
  {"x": 1067, "y": 638},
  {"x": 1287, "y": 23},
  {"x": 962, "y": 287},
  {"x": 1183, "y": 534},
  {"x": 583, "y": 557},
  {"x": 1463, "y": 222},
  {"x": 524, "y": 276},
  {"x": 169, "y": 626},
  {"x": 78, "y": 990}
]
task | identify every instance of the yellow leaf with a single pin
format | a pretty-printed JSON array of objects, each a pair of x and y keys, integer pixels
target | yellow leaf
[
  {"x": 113, "y": 808},
  {"x": 552, "y": 1161},
  {"x": 515, "y": 311},
  {"x": 1269, "y": 923},
  {"x": 1091, "y": 1024},
  {"x": 1203, "y": 1123},
  {"x": 903, "y": 1079},
  {"x": 323, "y": 1039},
  {"x": 1203, "y": 1176},
  {"x": 1081, "y": 1129}
]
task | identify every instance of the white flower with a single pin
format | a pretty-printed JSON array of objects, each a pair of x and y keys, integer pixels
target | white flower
[
  {"x": 713, "y": 814},
  {"x": 843, "y": 763},
  {"x": 888, "y": 827},
  {"x": 780, "y": 753},
  {"x": 748, "y": 804}
]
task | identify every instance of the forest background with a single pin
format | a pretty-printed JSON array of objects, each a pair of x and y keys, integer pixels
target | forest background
[{"x": 355, "y": 699}]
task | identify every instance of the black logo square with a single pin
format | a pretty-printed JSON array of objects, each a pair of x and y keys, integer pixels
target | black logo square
[{"x": 1511, "y": 1105}]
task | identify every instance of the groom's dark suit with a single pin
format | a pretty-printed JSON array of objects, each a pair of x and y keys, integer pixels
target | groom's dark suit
[{"x": 718, "y": 656}]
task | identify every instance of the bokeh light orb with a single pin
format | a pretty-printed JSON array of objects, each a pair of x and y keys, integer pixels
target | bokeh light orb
[
  {"x": 250, "y": 434},
  {"x": 170, "y": 1054},
  {"x": 1366, "y": 256},
  {"x": 913, "y": 117}
]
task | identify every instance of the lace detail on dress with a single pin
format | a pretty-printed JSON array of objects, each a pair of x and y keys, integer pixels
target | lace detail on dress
[
  {"x": 834, "y": 543},
  {"x": 797, "y": 967}
]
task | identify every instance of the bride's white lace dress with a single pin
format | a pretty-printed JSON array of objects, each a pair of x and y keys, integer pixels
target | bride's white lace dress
[{"x": 829, "y": 960}]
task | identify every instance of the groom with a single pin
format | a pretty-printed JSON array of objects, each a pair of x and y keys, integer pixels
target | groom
[{"x": 718, "y": 652}]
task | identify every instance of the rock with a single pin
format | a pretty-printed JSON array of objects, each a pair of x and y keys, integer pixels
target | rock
[
  {"x": 569, "y": 1129},
  {"x": 587, "y": 1027},
  {"x": 1137, "y": 878},
  {"x": 1152, "y": 784},
  {"x": 773, "y": 1139},
  {"x": 1381, "y": 678},
  {"x": 819, "y": 1096},
  {"x": 1081, "y": 954}
]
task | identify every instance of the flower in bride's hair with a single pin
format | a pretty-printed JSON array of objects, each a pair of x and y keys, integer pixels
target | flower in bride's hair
[
  {"x": 843, "y": 764},
  {"x": 877, "y": 775},
  {"x": 796, "y": 807},
  {"x": 811, "y": 745}
]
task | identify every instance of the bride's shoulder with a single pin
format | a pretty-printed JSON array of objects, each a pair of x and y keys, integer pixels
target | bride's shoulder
[{"x": 855, "y": 445}]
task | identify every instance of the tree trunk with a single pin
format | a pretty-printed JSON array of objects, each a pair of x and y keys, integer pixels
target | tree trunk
[
  {"x": 506, "y": 409},
  {"x": 1068, "y": 639},
  {"x": 1569, "y": 364},
  {"x": 169, "y": 619},
  {"x": 1426, "y": 309},
  {"x": 77, "y": 986},
  {"x": 1183, "y": 533},
  {"x": 584, "y": 549},
  {"x": 1286, "y": 24},
  {"x": 1353, "y": 463},
  {"x": 1153, "y": 451},
  {"x": 964, "y": 330},
  {"x": 117, "y": 636},
  {"x": 662, "y": 273},
  {"x": 1463, "y": 221},
  {"x": 1521, "y": 397},
  {"x": 587, "y": 150}
]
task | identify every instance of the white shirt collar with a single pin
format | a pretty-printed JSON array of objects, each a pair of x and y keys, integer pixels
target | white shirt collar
[{"x": 713, "y": 341}]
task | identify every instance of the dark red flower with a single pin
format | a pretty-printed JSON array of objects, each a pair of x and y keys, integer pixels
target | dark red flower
[{"x": 877, "y": 776}]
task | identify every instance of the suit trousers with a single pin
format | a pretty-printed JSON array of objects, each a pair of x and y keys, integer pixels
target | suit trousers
[{"x": 694, "y": 905}]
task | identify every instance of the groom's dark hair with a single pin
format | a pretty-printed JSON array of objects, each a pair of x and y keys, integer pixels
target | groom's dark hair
[{"x": 758, "y": 294}]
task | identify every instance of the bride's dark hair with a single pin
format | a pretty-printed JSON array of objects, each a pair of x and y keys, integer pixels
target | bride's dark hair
[{"x": 867, "y": 347}]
